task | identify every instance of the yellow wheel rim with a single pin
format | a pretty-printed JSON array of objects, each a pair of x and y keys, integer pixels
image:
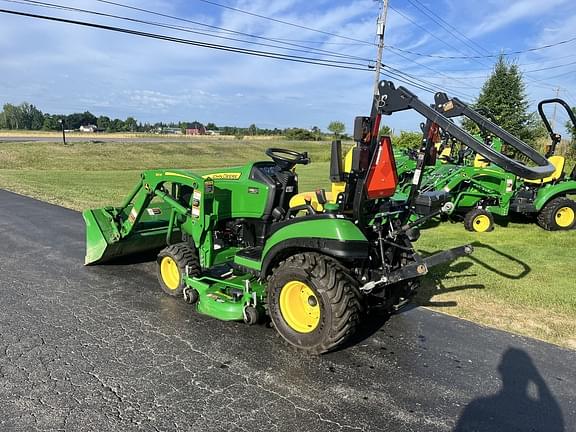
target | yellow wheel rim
[
  {"x": 299, "y": 307},
  {"x": 565, "y": 217},
  {"x": 170, "y": 273},
  {"x": 481, "y": 223}
]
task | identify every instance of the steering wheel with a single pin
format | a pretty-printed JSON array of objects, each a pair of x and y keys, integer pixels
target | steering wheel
[{"x": 286, "y": 159}]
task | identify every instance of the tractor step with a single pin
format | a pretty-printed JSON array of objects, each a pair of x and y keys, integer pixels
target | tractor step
[{"x": 249, "y": 257}]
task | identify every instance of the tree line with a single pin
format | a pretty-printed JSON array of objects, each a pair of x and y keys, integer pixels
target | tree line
[
  {"x": 503, "y": 96},
  {"x": 28, "y": 117}
]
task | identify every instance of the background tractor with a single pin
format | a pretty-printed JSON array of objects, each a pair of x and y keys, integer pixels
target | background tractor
[
  {"x": 234, "y": 248},
  {"x": 480, "y": 188}
]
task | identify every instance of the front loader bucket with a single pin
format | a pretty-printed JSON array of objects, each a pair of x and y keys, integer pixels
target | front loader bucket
[{"x": 104, "y": 242}]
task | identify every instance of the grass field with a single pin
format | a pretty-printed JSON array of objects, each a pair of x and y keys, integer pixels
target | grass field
[{"x": 520, "y": 278}]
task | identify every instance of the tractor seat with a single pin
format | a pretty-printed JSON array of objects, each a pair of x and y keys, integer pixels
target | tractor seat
[
  {"x": 480, "y": 162},
  {"x": 328, "y": 196},
  {"x": 312, "y": 197},
  {"x": 558, "y": 162}
]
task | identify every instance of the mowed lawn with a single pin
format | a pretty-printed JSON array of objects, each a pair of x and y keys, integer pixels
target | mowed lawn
[{"x": 520, "y": 277}]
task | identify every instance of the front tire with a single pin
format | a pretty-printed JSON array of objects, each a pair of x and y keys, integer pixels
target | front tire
[
  {"x": 479, "y": 220},
  {"x": 313, "y": 302},
  {"x": 172, "y": 262},
  {"x": 558, "y": 214}
]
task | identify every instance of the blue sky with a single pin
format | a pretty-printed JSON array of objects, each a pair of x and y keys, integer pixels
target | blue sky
[{"x": 62, "y": 68}]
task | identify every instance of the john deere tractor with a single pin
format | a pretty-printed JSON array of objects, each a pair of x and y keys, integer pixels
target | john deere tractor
[
  {"x": 485, "y": 187},
  {"x": 233, "y": 247}
]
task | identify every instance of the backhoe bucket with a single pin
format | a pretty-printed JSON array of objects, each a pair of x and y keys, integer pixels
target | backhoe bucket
[{"x": 104, "y": 241}]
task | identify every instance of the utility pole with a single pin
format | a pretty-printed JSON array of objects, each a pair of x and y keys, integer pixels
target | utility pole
[
  {"x": 380, "y": 32},
  {"x": 553, "y": 123}
]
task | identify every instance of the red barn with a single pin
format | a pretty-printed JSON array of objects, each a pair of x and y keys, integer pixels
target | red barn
[{"x": 195, "y": 128}]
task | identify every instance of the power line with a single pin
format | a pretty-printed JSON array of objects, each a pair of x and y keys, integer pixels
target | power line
[
  {"x": 447, "y": 26},
  {"x": 423, "y": 84},
  {"x": 276, "y": 40},
  {"x": 258, "y": 53},
  {"x": 438, "y": 38},
  {"x": 296, "y": 25},
  {"x": 433, "y": 86},
  {"x": 284, "y": 22},
  {"x": 551, "y": 67},
  {"x": 189, "y": 30},
  {"x": 306, "y": 49},
  {"x": 431, "y": 69},
  {"x": 505, "y": 54},
  {"x": 267, "y": 54}
]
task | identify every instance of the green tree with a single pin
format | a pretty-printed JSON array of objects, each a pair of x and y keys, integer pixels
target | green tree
[
  {"x": 336, "y": 127},
  {"x": 130, "y": 124},
  {"x": 12, "y": 117},
  {"x": 103, "y": 123},
  {"x": 504, "y": 94},
  {"x": 51, "y": 122},
  {"x": 252, "y": 130},
  {"x": 31, "y": 118},
  {"x": 317, "y": 133},
  {"x": 116, "y": 125},
  {"x": 299, "y": 134},
  {"x": 385, "y": 131},
  {"x": 408, "y": 140},
  {"x": 212, "y": 127}
]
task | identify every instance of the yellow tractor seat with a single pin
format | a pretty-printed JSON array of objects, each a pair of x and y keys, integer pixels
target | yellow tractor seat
[
  {"x": 302, "y": 197},
  {"x": 480, "y": 162},
  {"x": 445, "y": 154},
  {"x": 337, "y": 188},
  {"x": 558, "y": 162}
]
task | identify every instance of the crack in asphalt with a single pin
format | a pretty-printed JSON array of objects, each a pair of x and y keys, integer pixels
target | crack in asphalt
[{"x": 103, "y": 349}]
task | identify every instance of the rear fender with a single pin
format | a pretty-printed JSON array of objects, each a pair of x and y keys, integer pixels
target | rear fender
[
  {"x": 548, "y": 192},
  {"x": 325, "y": 234}
]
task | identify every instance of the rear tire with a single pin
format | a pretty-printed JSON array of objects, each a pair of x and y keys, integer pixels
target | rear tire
[
  {"x": 313, "y": 302},
  {"x": 172, "y": 262},
  {"x": 479, "y": 220},
  {"x": 558, "y": 214}
]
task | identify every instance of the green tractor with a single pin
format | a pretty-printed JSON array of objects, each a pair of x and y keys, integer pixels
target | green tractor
[
  {"x": 479, "y": 188},
  {"x": 233, "y": 247}
]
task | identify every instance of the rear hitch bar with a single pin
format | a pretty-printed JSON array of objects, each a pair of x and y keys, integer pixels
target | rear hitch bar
[{"x": 419, "y": 268}]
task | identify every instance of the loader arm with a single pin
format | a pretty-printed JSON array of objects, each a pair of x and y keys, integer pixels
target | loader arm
[
  {"x": 141, "y": 224},
  {"x": 393, "y": 99}
]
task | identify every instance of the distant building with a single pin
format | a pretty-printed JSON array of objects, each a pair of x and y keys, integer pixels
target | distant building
[
  {"x": 89, "y": 128},
  {"x": 169, "y": 131},
  {"x": 195, "y": 128}
]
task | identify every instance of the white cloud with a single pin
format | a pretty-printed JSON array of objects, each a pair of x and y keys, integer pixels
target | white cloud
[
  {"x": 505, "y": 13},
  {"x": 63, "y": 68}
]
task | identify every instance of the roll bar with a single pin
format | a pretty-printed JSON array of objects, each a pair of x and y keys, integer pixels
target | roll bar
[{"x": 555, "y": 137}]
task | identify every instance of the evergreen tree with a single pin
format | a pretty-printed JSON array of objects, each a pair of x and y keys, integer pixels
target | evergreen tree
[{"x": 504, "y": 94}]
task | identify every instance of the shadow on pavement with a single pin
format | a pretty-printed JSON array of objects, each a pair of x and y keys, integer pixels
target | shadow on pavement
[{"x": 524, "y": 402}]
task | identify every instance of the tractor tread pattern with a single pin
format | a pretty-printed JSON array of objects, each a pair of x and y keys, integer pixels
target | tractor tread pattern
[
  {"x": 184, "y": 255},
  {"x": 546, "y": 217},
  {"x": 342, "y": 290}
]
